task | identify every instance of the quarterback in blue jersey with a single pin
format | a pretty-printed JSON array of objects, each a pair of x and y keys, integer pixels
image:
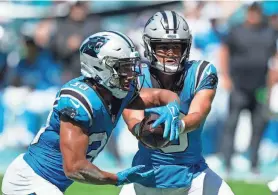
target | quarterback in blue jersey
[
  {"x": 180, "y": 168},
  {"x": 84, "y": 114}
]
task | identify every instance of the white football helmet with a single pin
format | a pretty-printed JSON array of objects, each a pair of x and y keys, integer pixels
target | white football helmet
[
  {"x": 167, "y": 27},
  {"x": 110, "y": 59}
]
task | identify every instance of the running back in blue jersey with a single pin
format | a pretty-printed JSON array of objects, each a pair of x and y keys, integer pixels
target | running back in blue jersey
[
  {"x": 81, "y": 103},
  {"x": 187, "y": 151}
]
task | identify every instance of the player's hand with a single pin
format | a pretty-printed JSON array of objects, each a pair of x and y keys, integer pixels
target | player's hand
[
  {"x": 133, "y": 174},
  {"x": 169, "y": 114}
]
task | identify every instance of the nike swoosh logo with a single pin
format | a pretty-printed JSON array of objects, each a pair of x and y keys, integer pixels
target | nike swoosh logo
[
  {"x": 76, "y": 105},
  {"x": 208, "y": 71}
]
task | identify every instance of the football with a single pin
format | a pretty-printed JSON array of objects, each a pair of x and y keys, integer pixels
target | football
[{"x": 152, "y": 137}]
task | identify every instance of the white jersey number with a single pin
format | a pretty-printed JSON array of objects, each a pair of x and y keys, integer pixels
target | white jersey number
[
  {"x": 183, "y": 143},
  {"x": 96, "y": 137},
  {"x": 80, "y": 86}
]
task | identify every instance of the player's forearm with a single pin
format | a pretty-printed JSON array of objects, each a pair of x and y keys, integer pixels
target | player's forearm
[
  {"x": 165, "y": 96},
  {"x": 131, "y": 125},
  {"x": 152, "y": 97},
  {"x": 192, "y": 121},
  {"x": 132, "y": 118},
  {"x": 90, "y": 174}
]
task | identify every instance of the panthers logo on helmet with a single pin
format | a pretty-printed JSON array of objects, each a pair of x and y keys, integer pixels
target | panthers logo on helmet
[{"x": 93, "y": 45}]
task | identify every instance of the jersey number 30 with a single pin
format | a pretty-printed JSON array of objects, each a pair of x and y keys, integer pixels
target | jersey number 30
[{"x": 97, "y": 141}]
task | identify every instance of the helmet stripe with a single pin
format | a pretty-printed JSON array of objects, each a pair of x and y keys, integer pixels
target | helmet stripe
[
  {"x": 129, "y": 42},
  {"x": 165, "y": 21},
  {"x": 175, "y": 21}
]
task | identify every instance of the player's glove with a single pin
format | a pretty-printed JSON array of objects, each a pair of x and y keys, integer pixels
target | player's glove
[
  {"x": 133, "y": 174},
  {"x": 170, "y": 115}
]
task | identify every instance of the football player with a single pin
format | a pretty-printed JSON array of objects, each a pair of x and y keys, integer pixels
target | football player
[
  {"x": 179, "y": 168},
  {"x": 84, "y": 114}
]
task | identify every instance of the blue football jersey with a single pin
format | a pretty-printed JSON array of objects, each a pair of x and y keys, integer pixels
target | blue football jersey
[
  {"x": 176, "y": 165},
  {"x": 83, "y": 104}
]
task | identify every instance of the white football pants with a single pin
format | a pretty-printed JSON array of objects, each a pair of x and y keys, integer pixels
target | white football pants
[
  {"x": 207, "y": 183},
  {"x": 20, "y": 179}
]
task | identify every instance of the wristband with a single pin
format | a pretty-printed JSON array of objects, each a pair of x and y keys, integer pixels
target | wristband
[
  {"x": 182, "y": 126},
  {"x": 136, "y": 129}
]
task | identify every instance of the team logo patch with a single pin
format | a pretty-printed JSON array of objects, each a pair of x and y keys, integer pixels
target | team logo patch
[
  {"x": 69, "y": 112},
  {"x": 213, "y": 79}
]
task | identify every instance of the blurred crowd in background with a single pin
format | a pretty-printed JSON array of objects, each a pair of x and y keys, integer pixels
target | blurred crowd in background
[{"x": 39, "y": 42}]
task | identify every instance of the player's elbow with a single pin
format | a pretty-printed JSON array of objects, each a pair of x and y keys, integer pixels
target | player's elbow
[{"x": 71, "y": 170}]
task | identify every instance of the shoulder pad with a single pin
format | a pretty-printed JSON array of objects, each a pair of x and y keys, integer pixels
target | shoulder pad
[{"x": 74, "y": 97}]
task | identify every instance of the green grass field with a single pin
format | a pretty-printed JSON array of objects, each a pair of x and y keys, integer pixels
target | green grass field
[{"x": 239, "y": 188}]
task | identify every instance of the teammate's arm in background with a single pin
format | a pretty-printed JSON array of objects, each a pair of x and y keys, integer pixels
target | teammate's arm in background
[{"x": 74, "y": 144}]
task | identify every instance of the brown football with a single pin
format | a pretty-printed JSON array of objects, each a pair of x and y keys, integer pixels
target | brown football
[{"x": 152, "y": 137}]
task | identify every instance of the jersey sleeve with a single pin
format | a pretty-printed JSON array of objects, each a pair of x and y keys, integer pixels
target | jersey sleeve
[
  {"x": 207, "y": 79},
  {"x": 74, "y": 105}
]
